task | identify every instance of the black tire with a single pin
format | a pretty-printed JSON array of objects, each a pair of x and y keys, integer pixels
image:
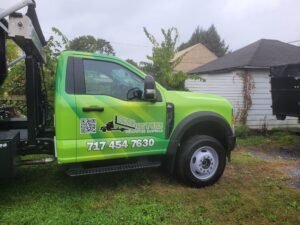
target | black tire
[{"x": 201, "y": 146}]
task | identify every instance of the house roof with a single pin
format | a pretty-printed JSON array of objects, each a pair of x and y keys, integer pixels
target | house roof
[
  {"x": 193, "y": 57},
  {"x": 260, "y": 54}
]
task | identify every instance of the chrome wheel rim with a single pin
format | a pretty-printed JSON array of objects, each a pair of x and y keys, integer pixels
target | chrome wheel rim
[{"x": 204, "y": 163}]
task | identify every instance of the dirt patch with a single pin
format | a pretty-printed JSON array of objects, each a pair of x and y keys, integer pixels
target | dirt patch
[
  {"x": 285, "y": 160},
  {"x": 273, "y": 154},
  {"x": 289, "y": 153}
]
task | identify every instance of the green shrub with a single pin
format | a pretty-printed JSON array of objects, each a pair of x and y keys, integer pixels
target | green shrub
[{"x": 242, "y": 131}]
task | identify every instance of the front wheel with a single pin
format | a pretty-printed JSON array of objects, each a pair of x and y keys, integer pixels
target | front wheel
[{"x": 201, "y": 161}]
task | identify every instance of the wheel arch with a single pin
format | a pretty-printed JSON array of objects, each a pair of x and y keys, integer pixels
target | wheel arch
[{"x": 205, "y": 123}]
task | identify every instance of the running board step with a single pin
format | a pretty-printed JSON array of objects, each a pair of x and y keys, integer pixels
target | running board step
[{"x": 73, "y": 172}]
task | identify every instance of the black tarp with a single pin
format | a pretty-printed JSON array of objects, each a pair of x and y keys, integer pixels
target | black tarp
[
  {"x": 291, "y": 70},
  {"x": 285, "y": 88}
]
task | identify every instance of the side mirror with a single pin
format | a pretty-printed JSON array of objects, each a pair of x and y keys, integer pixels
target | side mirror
[{"x": 149, "y": 88}]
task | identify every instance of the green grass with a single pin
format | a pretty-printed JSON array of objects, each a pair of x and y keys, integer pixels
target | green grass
[
  {"x": 250, "y": 192},
  {"x": 280, "y": 138}
]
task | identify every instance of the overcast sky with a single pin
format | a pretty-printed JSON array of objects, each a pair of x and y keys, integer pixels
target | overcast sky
[{"x": 239, "y": 22}]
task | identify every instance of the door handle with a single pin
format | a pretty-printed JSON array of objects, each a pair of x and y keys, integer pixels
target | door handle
[{"x": 92, "y": 109}]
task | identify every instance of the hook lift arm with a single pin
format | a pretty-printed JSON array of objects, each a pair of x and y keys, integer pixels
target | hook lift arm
[{"x": 25, "y": 31}]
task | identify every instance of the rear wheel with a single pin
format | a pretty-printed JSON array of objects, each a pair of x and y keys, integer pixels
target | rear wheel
[{"x": 201, "y": 161}]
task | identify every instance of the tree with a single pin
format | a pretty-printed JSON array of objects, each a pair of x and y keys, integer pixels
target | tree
[
  {"x": 89, "y": 43},
  {"x": 147, "y": 67},
  {"x": 56, "y": 43},
  {"x": 12, "y": 50},
  {"x": 209, "y": 38},
  {"x": 132, "y": 62},
  {"x": 162, "y": 66},
  {"x": 14, "y": 82}
]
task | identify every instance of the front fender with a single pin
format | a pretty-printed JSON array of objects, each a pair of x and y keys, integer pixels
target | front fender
[{"x": 191, "y": 121}]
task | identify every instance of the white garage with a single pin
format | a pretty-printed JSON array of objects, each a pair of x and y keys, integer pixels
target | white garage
[{"x": 243, "y": 78}]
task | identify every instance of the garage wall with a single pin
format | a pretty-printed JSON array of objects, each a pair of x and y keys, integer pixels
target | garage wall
[{"x": 230, "y": 86}]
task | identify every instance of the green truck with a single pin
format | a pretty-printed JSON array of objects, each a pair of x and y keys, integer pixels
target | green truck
[{"x": 110, "y": 116}]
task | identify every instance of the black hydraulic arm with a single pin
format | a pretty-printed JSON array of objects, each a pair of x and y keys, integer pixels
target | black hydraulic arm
[
  {"x": 25, "y": 31},
  {"x": 3, "y": 65}
]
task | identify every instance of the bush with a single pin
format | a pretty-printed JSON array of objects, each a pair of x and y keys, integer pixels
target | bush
[{"x": 242, "y": 131}]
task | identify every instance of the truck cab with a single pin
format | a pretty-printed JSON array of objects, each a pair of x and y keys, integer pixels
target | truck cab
[{"x": 109, "y": 114}]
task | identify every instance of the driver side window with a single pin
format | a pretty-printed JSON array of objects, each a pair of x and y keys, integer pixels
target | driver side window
[{"x": 106, "y": 78}]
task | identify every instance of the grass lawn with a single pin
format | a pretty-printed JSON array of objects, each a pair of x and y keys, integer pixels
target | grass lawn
[{"x": 251, "y": 191}]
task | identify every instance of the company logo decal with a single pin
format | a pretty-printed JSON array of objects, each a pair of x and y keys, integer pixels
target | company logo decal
[{"x": 127, "y": 125}]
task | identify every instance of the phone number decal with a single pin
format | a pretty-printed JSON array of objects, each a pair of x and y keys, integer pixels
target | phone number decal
[{"x": 118, "y": 144}]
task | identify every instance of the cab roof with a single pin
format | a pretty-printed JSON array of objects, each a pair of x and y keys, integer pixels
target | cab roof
[{"x": 89, "y": 55}]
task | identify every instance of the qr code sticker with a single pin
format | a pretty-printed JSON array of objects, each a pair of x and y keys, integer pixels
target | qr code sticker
[{"x": 88, "y": 126}]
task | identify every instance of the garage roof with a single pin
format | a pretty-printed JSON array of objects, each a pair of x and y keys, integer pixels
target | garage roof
[{"x": 260, "y": 54}]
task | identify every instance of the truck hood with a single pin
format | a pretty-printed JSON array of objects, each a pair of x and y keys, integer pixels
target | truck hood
[
  {"x": 195, "y": 97},
  {"x": 186, "y": 103}
]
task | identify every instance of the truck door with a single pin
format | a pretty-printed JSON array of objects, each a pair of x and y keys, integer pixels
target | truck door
[{"x": 113, "y": 119}]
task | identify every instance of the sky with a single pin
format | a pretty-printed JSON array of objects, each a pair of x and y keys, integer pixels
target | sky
[{"x": 239, "y": 22}]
